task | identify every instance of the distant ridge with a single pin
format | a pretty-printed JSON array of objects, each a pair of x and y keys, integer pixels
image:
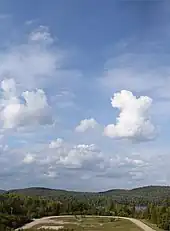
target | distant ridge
[{"x": 144, "y": 192}]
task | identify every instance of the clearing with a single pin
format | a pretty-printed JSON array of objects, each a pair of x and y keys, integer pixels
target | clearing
[{"x": 86, "y": 223}]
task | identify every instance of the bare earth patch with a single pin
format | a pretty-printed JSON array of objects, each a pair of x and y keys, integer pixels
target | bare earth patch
[{"x": 51, "y": 227}]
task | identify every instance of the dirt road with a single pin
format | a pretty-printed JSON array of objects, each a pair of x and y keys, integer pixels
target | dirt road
[
  {"x": 46, "y": 220},
  {"x": 139, "y": 224}
]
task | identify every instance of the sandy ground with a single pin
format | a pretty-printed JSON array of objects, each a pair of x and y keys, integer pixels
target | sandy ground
[
  {"x": 51, "y": 227},
  {"x": 46, "y": 220}
]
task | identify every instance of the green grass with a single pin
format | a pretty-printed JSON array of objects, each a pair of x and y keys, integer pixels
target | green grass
[{"x": 94, "y": 224}]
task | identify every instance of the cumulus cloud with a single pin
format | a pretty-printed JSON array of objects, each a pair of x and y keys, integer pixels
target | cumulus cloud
[
  {"x": 88, "y": 159},
  {"x": 41, "y": 165},
  {"x": 86, "y": 124},
  {"x": 82, "y": 156},
  {"x": 28, "y": 159},
  {"x": 56, "y": 143},
  {"x": 29, "y": 108},
  {"x": 72, "y": 156},
  {"x": 9, "y": 88},
  {"x": 41, "y": 34},
  {"x": 133, "y": 121}
]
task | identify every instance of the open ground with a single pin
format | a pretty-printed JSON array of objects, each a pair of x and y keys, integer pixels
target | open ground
[{"x": 89, "y": 223}]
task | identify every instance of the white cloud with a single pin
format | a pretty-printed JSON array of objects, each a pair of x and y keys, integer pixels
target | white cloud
[
  {"x": 133, "y": 121},
  {"x": 89, "y": 160},
  {"x": 30, "y": 108},
  {"x": 9, "y": 88},
  {"x": 28, "y": 159},
  {"x": 3, "y": 148},
  {"x": 56, "y": 143},
  {"x": 42, "y": 165},
  {"x": 41, "y": 34},
  {"x": 32, "y": 62},
  {"x": 81, "y": 156},
  {"x": 63, "y": 154},
  {"x": 86, "y": 124}
]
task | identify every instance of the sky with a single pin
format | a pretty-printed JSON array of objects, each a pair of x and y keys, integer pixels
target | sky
[{"x": 84, "y": 94}]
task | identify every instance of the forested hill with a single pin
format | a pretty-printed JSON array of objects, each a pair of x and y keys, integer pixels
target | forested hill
[
  {"x": 141, "y": 191},
  {"x": 20, "y": 206},
  {"x": 144, "y": 192}
]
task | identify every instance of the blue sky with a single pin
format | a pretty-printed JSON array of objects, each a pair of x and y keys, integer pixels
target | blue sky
[{"x": 84, "y": 94}]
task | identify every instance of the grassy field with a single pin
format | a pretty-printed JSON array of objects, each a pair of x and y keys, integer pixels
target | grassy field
[{"x": 91, "y": 224}]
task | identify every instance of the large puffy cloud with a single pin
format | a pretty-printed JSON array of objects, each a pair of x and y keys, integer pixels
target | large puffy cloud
[
  {"x": 29, "y": 108},
  {"x": 133, "y": 121},
  {"x": 36, "y": 60},
  {"x": 86, "y": 124},
  {"x": 145, "y": 72}
]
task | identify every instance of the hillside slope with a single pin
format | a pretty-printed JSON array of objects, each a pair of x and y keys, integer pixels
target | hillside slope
[{"x": 147, "y": 192}]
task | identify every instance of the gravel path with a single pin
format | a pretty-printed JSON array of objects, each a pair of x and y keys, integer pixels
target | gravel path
[{"x": 46, "y": 220}]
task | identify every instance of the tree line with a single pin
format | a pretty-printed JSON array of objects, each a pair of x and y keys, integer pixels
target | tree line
[{"x": 16, "y": 210}]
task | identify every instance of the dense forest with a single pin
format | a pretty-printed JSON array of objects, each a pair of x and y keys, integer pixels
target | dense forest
[{"x": 18, "y": 207}]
